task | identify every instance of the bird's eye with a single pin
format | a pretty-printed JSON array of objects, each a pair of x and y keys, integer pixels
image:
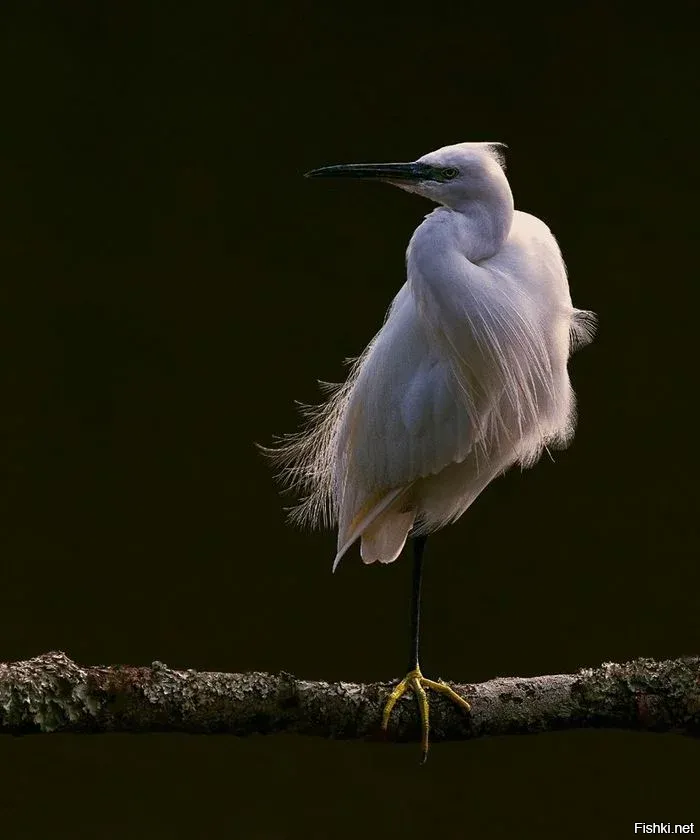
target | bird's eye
[{"x": 450, "y": 173}]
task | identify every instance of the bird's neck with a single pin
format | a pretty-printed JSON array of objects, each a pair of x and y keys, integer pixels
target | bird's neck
[{"x": 483, "y": 223}]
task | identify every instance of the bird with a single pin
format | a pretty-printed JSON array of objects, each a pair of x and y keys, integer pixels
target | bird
[{"x": 466, "y": 377}]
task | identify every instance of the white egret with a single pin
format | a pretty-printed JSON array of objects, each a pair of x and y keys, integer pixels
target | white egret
[{"x": 467, "y": 376}]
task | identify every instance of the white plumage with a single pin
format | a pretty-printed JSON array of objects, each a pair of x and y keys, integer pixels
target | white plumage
[{"x": 467, "y": 376}]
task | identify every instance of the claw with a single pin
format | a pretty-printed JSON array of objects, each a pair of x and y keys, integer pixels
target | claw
[{"x": 418, "y": 683}]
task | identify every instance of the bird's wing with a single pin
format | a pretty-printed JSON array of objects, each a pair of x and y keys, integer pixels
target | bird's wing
[{"x": 403, "y": 419}]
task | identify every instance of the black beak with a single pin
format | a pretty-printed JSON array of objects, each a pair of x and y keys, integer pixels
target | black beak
[{"x": 374, "y": 171}]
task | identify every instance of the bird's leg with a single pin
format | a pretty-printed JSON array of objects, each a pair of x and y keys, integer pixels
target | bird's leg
[{"x": 414, "y": 679}]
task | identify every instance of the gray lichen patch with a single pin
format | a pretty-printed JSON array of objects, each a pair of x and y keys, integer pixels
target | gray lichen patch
[{"x": 47, "y": 694}]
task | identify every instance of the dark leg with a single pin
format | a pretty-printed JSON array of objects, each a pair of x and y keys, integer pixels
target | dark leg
[
  {"x": 418, "y": 549},
  {"x": 414, "y": 680}
]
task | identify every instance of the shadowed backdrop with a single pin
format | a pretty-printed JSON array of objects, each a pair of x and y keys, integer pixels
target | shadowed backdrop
[{"x": 170, "y": 284}]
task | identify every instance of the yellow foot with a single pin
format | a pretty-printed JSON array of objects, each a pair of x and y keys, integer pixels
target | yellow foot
[{"x": 418, "y": 683}]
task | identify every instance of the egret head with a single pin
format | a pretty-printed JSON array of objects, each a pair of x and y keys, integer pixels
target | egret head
[{"x": 453, "y": 175}]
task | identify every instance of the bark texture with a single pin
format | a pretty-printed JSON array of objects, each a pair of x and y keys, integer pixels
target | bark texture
[{"x": 51, "y": 693}]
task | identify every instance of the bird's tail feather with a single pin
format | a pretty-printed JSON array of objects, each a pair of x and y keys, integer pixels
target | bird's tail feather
[
  {"x": 385, "y": 538},
  {"x": 386, "y": 507},
  {"x": 583, "y": 328}
]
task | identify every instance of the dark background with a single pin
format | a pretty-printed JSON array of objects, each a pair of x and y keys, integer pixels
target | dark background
[{"x": 170, "y": 285}]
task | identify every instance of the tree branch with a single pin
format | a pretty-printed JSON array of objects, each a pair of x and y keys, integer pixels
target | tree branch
[{"x": 50, "y": 693}]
